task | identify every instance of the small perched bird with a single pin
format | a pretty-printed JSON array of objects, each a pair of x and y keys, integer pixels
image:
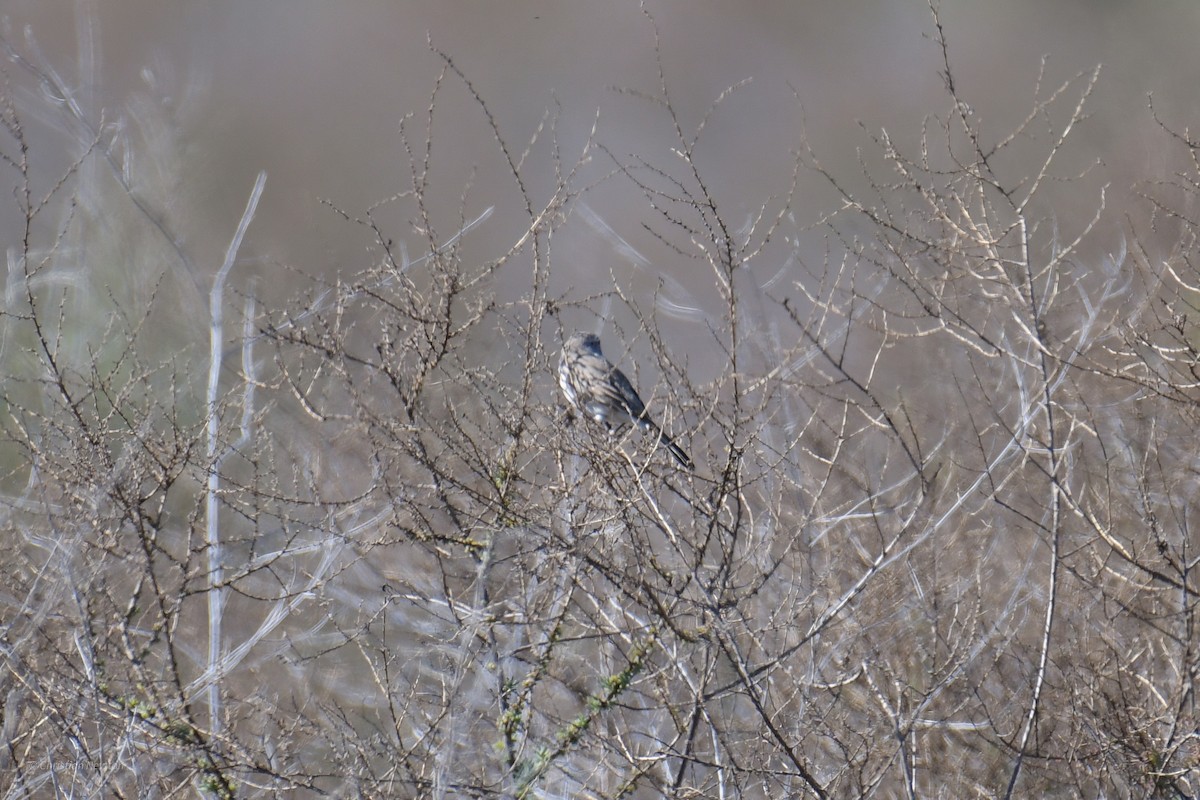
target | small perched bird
[{"x": 601, "y": 391}]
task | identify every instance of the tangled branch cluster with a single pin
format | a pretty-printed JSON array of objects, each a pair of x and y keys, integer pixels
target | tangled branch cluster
[{"x": 937, "y": 540}]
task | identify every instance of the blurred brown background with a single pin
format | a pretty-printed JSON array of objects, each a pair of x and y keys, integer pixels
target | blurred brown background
[{"x": 313, "y": 93}]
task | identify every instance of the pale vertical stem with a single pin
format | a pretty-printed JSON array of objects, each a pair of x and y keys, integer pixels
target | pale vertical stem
[
  {"x": 216, "y": 594},
  {"x": 1052, "y": 447}
]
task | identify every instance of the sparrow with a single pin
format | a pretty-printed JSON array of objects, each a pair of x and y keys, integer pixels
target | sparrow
[{"x": 601, "y": 391}]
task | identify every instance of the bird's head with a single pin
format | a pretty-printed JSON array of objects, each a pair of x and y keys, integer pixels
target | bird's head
[{"x": 585, "y": 342}]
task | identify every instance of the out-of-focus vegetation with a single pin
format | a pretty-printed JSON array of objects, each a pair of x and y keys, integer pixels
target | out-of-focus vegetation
[{"x": 938, "y": 541}]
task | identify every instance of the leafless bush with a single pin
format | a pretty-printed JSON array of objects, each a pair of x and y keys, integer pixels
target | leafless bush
[{"x": 938, "y": 540}]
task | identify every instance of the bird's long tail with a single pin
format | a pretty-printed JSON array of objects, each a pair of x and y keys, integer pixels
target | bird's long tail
[{"x": 675, "y": 449}]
